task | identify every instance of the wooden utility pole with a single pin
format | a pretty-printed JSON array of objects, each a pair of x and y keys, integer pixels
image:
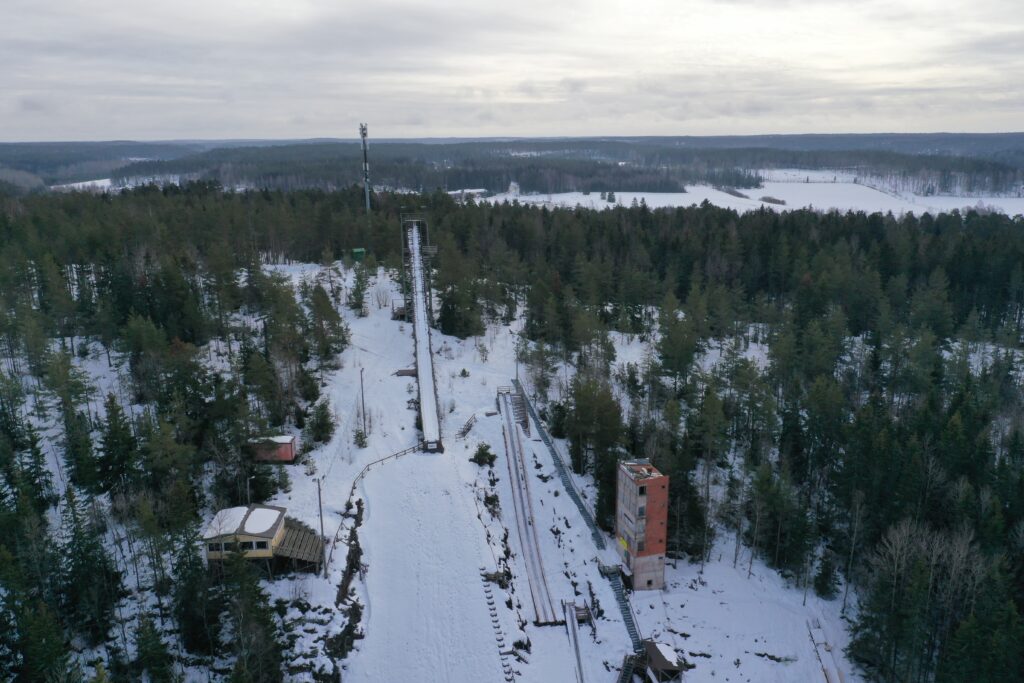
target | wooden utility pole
[
  {"x": 323, "y": 547},
  {"x": 362, "y": 398}
]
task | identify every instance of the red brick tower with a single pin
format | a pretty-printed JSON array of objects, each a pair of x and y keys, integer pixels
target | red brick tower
[{"x": 641, "y": 517}]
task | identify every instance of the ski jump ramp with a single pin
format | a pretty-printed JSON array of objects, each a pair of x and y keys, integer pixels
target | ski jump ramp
[{"x": 429, "y": 416}]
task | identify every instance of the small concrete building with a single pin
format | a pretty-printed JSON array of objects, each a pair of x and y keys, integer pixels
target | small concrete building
[
  {"x": 641, "y": 523},
  {"x": 262, "y": 532},
  {"x": 274, "y": 449}
]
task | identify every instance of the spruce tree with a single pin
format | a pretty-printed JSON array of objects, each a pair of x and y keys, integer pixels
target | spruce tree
[
  {"x": 196, "y": 601},
  {"x": 357, "y": 295},
  {"x": 41, "y": 645},
  {"x": 79, "y": 456},
  {"x": 151, "y": 654},
  {"x": 35, "y": 475},
  {"x": 118, "y": 461},
  {"x": 90, "y": 583},
  {"x": 254, "y": 638}
]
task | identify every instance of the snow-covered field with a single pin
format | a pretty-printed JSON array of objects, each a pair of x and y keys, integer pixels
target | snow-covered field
[
  {"x": 790, "y": 187},
  {"x": 99, "y": 185},
  {"x": 795, "y": 188}
]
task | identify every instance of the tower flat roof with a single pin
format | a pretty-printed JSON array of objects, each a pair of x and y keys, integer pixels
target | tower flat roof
[{"x": 640, "y": 469}]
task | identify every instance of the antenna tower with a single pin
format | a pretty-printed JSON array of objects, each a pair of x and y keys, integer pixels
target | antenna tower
[{"x": 366, "y": 166}]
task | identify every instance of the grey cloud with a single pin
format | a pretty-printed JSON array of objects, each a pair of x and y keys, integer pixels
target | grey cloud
[
  {"x": 526, "y": 68},
  {"x": 32, "y": 105}
]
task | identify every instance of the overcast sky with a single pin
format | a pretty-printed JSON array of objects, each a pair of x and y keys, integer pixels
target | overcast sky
[{"x": 162, "y": 69}]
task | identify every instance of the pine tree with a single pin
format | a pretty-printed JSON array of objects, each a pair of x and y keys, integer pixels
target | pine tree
[
  {"x": 196, "y": 601},
  {"x": 36, "y": 475},
  {"x": 594, "y": 427},
  {"x": 152, "y": 656},
  {"x": 677, "y": 348},
  {"x": 118, "y": 461},
  {"x": 357, "y": 295},
  {"x": 320, "y": 425},
  {"x": 41, "y": 644},
  {"x": 78, "y": 452},
  {"x": 90, "y": 583},
  {"x": 258, "y": 654},
  {"x": 329, "y": 332},
  {"x": 825, "y": 581}
]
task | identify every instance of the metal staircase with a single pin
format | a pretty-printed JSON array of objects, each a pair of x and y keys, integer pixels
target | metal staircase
[
  {"x": 563, "y": 470},
  {"x": 626, "y": 672},
  {"x": 627, "y": 612}
]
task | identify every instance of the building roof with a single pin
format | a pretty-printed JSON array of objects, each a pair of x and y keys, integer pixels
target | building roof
[
  {"x": 284, "y": 438},
  {"x": 640, "y": 469},
  {"x": 254, "y": 520},
  {"x": 661, "y": 656}
]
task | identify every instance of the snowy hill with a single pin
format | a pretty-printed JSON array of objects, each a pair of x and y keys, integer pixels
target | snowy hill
[{"x": 427, "y": 533}]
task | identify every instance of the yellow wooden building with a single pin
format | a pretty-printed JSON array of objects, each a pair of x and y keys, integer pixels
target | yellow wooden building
[{"x": 261, "y": 532}]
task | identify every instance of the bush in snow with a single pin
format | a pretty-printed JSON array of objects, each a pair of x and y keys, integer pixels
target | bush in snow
[{"x": 483, "y": 456}]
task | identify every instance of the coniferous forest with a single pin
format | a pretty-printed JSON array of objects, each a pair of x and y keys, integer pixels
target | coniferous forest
[{"x": 863, "y": 431}]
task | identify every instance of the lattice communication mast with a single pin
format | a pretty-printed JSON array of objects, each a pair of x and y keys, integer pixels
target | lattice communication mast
[{"x": 366, "y": 166}]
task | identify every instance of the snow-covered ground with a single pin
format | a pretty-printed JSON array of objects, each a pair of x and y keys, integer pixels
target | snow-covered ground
[
  {"x": 98, "y": 185},
  {"x": 428, "y": 532},
  {"x": 820, "y": 193},
  {"x": 734, "y": 628},
  {"x": 427, "y": 612}
]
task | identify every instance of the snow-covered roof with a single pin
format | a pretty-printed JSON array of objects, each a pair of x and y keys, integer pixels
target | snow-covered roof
[
  {"x": 260, "y": 520},
  {"x": 225, "y": 522},
  {"x": 283, "y": 438},
  {"x": 668, "y": 652},
  {"x": 255, "y": 520},
  {"x": 661, "y": 656}
]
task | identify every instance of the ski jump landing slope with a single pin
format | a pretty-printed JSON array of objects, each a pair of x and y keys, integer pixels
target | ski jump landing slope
[
  {"x": 426, "y": 614},
  {"x": 424, "y": 355}
]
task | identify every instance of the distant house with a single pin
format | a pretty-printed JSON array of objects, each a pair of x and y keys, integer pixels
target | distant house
[
  {"x": 261, "y": 532},
  {"x": 274, "y": 449}
]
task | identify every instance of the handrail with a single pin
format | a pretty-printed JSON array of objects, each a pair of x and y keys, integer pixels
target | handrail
[
  {"x": 366, "y": 469},
  {"x": 563, "y": 473},
  {"x": 359, "y": 477}
]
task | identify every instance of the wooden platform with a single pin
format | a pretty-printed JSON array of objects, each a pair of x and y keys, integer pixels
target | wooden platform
[{"x": 300, "y": 543}]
